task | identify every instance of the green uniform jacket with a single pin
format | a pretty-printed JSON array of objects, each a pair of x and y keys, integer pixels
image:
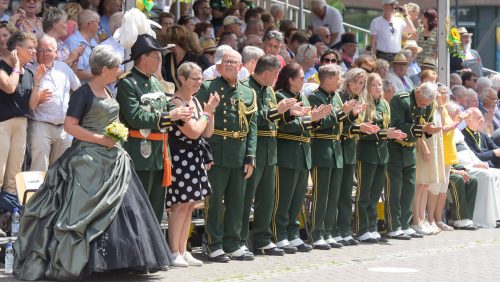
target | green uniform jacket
[
  {"x": 235, "y": 114},
  {"x": 373, "y": 148},
  {"x": 137, "y": 113},
  {"x": 327, "y": 153},
  {"x": 350, "y": 134},
  {"x": 266, "y": 106},
  {"x": 409, "y": 118},
  {"x": 293, "y": 154}
]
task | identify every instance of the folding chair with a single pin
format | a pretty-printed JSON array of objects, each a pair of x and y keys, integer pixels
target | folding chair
[{"x": 27, "y": 183}]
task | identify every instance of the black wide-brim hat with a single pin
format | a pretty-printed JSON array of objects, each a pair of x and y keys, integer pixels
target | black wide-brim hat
[{"x": 145, "y": 43}]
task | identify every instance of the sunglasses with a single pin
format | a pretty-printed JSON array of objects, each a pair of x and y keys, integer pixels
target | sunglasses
[
  {"x": 391, "y": 27},
  {"x": 329, "y": 61}
]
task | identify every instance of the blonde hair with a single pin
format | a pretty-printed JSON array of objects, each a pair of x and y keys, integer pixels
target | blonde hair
[
  {"x": 351, "y": 76},
  {"x": 426, "y": 74},
  {"x": 371, "y": 107}
]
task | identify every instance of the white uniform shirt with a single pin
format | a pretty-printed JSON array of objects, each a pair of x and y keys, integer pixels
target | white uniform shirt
[
  {"x": 333, "y": 21},
  {"x": 59, "y": 79},
  {"x": 388, "y": 41}
]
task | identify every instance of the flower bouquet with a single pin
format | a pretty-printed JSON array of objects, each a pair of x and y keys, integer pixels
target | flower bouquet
[
  {"x": 454, "y": 44},
  {"x": 116, "y": 131}
]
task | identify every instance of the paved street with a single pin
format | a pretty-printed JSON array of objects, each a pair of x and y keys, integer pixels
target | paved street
[{"x": 449, "y": 256}]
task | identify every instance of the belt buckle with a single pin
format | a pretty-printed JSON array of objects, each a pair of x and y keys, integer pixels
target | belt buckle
[
  {"x": 236, "y": 134},
  {"x": 274, "y": 133}
]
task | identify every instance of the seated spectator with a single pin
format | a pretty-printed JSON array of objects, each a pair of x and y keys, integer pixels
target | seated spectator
[
  {"x": 166, "y": 20},
  {"x": 327, "y": 16},
  {"x": 413, "y": 68},
  {"x": 187, "y": 22},
  {"x": 106, "y": 9},
  {"x": 232, "y": 24},
  {"x": 25, "y": 18},
  {"x": 229, "y": 38},
  {"x": 211, "y": 72},
  {"x": 397, "y": 75},
  {"x": 278, "y": 13},
  {"x": 208, "y": 48},
  {"x": 297, "y": 39},
  {"x": 204, "y": 30},
  {"x": 481, "y": 144},
  {"x": 17, "y": 91},
  {"x": 47, "y": 138},
  {"x": 329, "y": 57},
  {"x": 489, "y": 107},
  {"x": 349, "y": 46},
  {"x": 202, "y": 12},
  {"x": 320, "y": 45},
  {"x": 272, "y": 42},
  {"x": 6, "y": 30},
  {"x": 84, "y": 37},
  {"x": 389, "y": 90},
  {"x": 255, "y": 27},
  {"x": 495, "y": 82},
  {"x": 429, "y": 64},
  {"x": 455, "y": 79},
  {"x": 252, "y": 40},
  {"x": 472, "y": 99},
  {"x": 366, "y": 62},
  {"x": 324, "y": 33},
  {"x": 186, "y": 49},
  {"x": 482, "y": 83},
  {"x": 4, "y": 11},
  {"x": 428, "y": 75},
  {"x": 268, "y": 21},
  {"x": 306, "y": 57},
  {"x": 382, "y": 67}
]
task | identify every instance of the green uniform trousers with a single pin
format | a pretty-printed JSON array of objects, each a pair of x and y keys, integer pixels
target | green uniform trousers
[
  {"x": 371, "y": 181},
  {"x": 151, "y": 180},
  {"x": 326, "y": 188},
  {"x": 399, "y": 194},
  {"x": 291, "y": 185},
  {"x": 223, "y": 220},
  {"x": 261, "y": 186},
  {"x": 344, "y": 216},
  {"x": 463, "y": 195}
]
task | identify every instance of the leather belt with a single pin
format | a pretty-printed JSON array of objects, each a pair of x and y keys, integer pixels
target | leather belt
[
  {"x": 230, "y": 134},
  {"x": 267, "y": 133},
  {"x": 291, "y": 137}
]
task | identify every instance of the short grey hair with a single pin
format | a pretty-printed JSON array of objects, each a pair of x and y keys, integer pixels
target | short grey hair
[
  {"x": 459, "y": 91},
  {"x": 87, "y": 16},
  {"x": 220, "y": 51},
  {"x": 251, "y": 53},
  {"x": 103, "y": 56},
  {"x": 273, "y": 34},
  {"x": 428, "y": 90},
  {"x": 318, "y": 4},
  {"x": 386, "y": 84},
  {"x": 186, "y": 68},
  {"x": 483, "y": 82},
  {"x": 302, "y": 52},
  {"x": 495, "y": 81},
  {"x": 484, "y": 94},
  {"x": 328, "y": 71},
  {"x": 115, "y": 21},
  {"x": 452, "y": 107},
  {"x": 471, "y": 92},
  {"x": 52, "y": 17},
  {"x": 275, "y": 8},
  {"x": 267, "y": 63},
  {"x": 49, "y": 39}
]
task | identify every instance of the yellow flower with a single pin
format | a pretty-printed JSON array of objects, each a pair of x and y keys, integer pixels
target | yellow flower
[{"x": 455, "y": 34}]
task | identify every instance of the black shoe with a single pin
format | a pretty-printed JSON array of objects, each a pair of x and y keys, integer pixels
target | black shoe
[
  {"x": 344, "y": 243},
  {"x": 336, "y": 245},
  {"x": 401, "y": 237},
  {"x": 325, "y": 247},
  {"x": 416, "y": 235},
  {"x": 353, "y": 242},
  {"x": 245, "y": 256},
  {"x": 219, "y": 258},
  {"x": 289, "y": 249},
  {"x": 303, "y": 248},
  {"x": 369, "y": 241},
  {"x": 498, "y": 224},
  {"x": 271, "y": 252}
]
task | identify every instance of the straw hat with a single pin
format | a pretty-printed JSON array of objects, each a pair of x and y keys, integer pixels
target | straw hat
[
  {"x": 400, "y": 59},
  {"x": 429, "y": 63},
  {"x": 412, "y": 44},
  {"x": 463, "y": 31}
]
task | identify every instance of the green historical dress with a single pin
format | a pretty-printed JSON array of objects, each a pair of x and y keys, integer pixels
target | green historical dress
[
  {"x": 327, "y": 164},
  {"x": 294, "y": 163},
  {"x": 371, "y": 170},
  {"x": 233, "y": 144},
  {"x": 400, "y": 185},
  {"x": 143, "y": 105},
  {"x": 91, "y": 213}
]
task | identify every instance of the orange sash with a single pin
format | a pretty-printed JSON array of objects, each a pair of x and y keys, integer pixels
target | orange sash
[{"x": 167, "y": 167}]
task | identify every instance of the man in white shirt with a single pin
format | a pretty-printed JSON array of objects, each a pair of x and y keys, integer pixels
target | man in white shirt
[
  {"x": 115, "y": 21},
  {"x": 386, "y": 31},
  {"x": 47, "y": 138},
  {"x": 398, "y": 74},
  {"x": 212, "y": 72},
  {"x": 327, "y": 16}
]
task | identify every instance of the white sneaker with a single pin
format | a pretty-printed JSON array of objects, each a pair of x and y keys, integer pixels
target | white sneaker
[
  {"x": 179, "y": 260},
  {"x": 434, "y": 228},
  {"x": 426, "y": 228},
  {"x": 421, "y": 229},
  {"x": 191, "y": 260}
]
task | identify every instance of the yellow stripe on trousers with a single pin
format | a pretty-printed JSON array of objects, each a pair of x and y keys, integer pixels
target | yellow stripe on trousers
[{"x": 276, "y": 202}]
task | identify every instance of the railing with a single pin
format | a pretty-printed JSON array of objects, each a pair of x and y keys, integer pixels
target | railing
[{"x": 362, "y": 34}]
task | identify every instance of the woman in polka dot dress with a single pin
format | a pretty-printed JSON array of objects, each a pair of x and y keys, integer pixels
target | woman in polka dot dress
[{"x": 190, "y": 159}]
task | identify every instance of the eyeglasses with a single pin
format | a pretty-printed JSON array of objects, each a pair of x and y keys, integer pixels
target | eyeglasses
[
  {"x": 45, "y": 50},
  {"x": 229, "y": 62},
  {"x": 391, "y": 27},
  {"x": 329, "y": 61}
]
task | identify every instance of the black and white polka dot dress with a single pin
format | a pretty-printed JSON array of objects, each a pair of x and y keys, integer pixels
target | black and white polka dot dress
[{"x": 189, "y": 178}]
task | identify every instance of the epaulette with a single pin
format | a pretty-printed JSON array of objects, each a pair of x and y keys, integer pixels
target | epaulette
[
  {"x": 125, "y": 74},
  {"x": 404, "y": 94}
]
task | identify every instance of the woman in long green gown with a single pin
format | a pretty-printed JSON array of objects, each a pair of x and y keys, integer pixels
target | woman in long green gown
[{"x": 91, "y": 214}]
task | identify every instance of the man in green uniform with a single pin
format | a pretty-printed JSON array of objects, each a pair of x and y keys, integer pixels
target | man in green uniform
[
  {"x": 144, "y": 106},
  {"x": 327, "y": 157},
  {"x": 411, "y": 112},
  {"x": 233, "y": 143},
  {"x": 262, "y": 182}
]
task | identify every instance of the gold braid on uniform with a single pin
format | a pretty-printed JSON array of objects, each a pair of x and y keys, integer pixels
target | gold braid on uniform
[
  {"x": 386, "y": 118},
  {"x": 243, "y": 110}
]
